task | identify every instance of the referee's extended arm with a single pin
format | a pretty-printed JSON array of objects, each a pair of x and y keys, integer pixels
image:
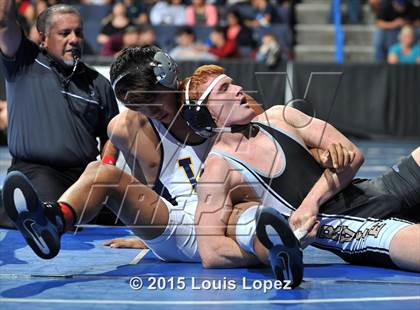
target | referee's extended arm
[{"x": 10, "y": 32}]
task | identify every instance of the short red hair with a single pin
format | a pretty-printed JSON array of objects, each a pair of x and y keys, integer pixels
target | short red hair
[{"x": 200, "y": 76}]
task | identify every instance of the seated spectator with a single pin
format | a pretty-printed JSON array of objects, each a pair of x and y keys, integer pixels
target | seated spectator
[
  {"x": 188, "y": 49},
  {"x": 406, "y": 51},
  {"x": 353, "y": 13},
  {"x": 26, "y": 10},
  {"x": 96, "y": 2},
  {"x": 221, "y": 46},
  {"x": 137, "y": 11},
  {"x": 147, "y": 36},
  {"x": 40, "y": 6},
  {"x": 232, "y": 2},
  {"x": 200, "y": 13},
  {"x": 375, "y": 6},
  {"x": 169, "y": 12},
  {"x": 23, "y": 23},
  {"x": 270, "y": 51},
  {"x": 115, "y": 23},
  {"x": 392, "y": 16},
  {"x": 265, "y": 14},
  {"x": 237, "y": 31},
  {"x": 117, "y": 42}
]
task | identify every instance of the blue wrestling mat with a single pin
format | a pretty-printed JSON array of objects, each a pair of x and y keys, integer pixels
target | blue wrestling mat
[{"x": 87, "y": 274}]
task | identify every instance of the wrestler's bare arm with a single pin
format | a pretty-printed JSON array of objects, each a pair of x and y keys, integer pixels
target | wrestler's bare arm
[
  {"x": 317, "y": 133},
  {"x": 334, "y": 156},
  {"x": 130, "y": 132},
  {"x": 109, "y": 150},
  {"x": 212, "y": 215}
]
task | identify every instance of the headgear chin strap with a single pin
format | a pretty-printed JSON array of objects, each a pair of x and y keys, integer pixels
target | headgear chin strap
[
  {"x": 196, "y": 113},
  {"x": 164, "y": 68}
]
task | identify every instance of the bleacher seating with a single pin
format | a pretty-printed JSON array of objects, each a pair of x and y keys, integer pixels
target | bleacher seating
[
  {"x": 92, "y": 16},
  {"x": 165, "y": 35}
]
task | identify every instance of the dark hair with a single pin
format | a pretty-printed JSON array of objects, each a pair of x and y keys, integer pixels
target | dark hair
[
  {"x": 238, "y": 16},
  {"x": 145, "y": 28},
  {"x": 221, "y": 30},
  {"x": 43, "y": 21},
  {"x": 135, "y": 87},
  {"x": 187, "y": 30},
  {"x": 131, "y": 29}
]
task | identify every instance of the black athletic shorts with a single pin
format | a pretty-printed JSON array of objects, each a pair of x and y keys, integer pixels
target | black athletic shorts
[
  {"x": 394, "y": 194},
  {"x": 50, "y": 182},
  {"x": 402, "y": 182},
  {"x": 359, "y": 223}
]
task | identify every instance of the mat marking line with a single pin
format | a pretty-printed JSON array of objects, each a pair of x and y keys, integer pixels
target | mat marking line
[
  {"x": 138, "y": 257},
  {"x": 208, "y": 302}
]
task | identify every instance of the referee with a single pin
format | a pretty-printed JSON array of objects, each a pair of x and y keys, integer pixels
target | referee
[{"x": 57, "y": 106}]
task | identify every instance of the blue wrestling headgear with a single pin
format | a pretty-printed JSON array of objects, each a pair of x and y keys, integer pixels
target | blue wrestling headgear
[
  {"x": 164, "y": 68},
  {"x": 196, "y": 113}
]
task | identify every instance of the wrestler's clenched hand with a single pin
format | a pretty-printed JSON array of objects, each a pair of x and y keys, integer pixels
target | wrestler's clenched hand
[
  {"x": 305, "y": 225},
  {"x": 336, "y": 157}
]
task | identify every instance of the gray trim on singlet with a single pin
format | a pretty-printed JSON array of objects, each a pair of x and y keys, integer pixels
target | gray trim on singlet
[
  {"x": 248, "y": 174},
  {"x": 252, "y": 173},
  {"x": 278, "y": 146},
  {"x": 283, "y": 156},
  {"x": 291, "y": 136}
]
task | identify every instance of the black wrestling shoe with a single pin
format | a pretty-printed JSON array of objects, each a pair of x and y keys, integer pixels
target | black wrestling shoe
[
  {"x": 286, "y": 257},
  {"x": 40, "y": 223}
]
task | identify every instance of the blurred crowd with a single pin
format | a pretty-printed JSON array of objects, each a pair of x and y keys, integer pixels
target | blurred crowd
[
  {"x": 208, "y": 30},
  {"x": 213, "y": 29},
  {"x": 189, "y": 30},
  {"x": 397, "y": 33}
]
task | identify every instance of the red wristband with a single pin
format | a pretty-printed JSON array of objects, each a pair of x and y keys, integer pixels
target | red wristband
[{"x": 109, "y": 160}]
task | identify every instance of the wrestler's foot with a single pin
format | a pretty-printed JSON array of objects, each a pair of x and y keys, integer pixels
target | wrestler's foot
[
  {"x": 285, "y": 256},
  {"x": 40, "y": 223}
]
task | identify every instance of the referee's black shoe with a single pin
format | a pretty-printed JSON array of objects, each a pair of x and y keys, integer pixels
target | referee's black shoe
[
  {"x": 40, "y": 223},
  {"x": 285, "y": 255}
]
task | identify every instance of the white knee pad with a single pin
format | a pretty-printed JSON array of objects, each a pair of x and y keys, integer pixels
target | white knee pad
[{"x": 245, "y": 229}]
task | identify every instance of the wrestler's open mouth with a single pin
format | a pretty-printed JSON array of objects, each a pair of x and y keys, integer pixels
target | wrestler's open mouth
[{"x": 243, "y": 101}]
